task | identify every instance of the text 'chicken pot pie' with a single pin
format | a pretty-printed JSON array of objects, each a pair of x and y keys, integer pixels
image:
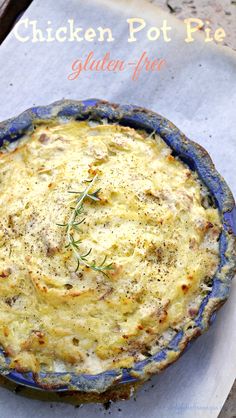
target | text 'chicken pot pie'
[{"x": 108, "y": 246}]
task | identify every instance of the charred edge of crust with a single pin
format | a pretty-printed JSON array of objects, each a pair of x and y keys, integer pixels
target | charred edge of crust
[{"x": 117, "y": 393}]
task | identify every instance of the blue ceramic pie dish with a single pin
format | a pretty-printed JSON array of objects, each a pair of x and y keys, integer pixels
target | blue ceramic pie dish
[{"x": 197, "y": 159}]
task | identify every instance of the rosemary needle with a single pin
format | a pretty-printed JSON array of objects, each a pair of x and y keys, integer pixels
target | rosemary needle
[{"x": 73, "y": 225}]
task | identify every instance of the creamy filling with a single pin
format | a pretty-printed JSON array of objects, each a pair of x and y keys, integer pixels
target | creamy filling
[{"x": 152, "y": 222}]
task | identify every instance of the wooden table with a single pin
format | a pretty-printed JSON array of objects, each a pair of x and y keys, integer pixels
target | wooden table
[
  {"x": 9, "y": 11},
  {"x": 219, "y": 13}
]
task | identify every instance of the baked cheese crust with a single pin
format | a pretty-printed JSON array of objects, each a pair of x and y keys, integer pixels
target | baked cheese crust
[{"x": 154, "y": 221}]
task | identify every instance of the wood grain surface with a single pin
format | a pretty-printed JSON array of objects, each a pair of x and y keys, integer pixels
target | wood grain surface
[
  {"x": 9, "y": 12},
  {"x": 220, "y": 13}
]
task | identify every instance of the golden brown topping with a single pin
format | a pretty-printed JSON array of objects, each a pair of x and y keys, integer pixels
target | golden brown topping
[{"x": 150, "y": 216}]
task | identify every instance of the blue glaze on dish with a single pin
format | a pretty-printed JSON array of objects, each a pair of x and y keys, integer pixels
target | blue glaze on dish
[{"x": 193, "y": 155}]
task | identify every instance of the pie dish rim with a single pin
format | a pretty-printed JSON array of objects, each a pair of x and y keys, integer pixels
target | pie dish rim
[{"x": 197, "y": 158}]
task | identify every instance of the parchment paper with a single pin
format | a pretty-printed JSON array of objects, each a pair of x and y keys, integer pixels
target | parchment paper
[{"x": 197, "y": 91}]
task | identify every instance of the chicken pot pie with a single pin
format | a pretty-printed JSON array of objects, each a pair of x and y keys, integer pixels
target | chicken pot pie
[{"x": 109, "y": 245}]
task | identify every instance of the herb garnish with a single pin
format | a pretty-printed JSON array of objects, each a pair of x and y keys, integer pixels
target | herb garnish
[{"x": 73, "y": 225}]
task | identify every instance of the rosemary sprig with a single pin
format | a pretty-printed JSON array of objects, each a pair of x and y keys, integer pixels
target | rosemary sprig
[{"x": 73, "y": 225}]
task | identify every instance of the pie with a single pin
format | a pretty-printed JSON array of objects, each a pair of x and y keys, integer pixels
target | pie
[{"x": 109, "y": 245}]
